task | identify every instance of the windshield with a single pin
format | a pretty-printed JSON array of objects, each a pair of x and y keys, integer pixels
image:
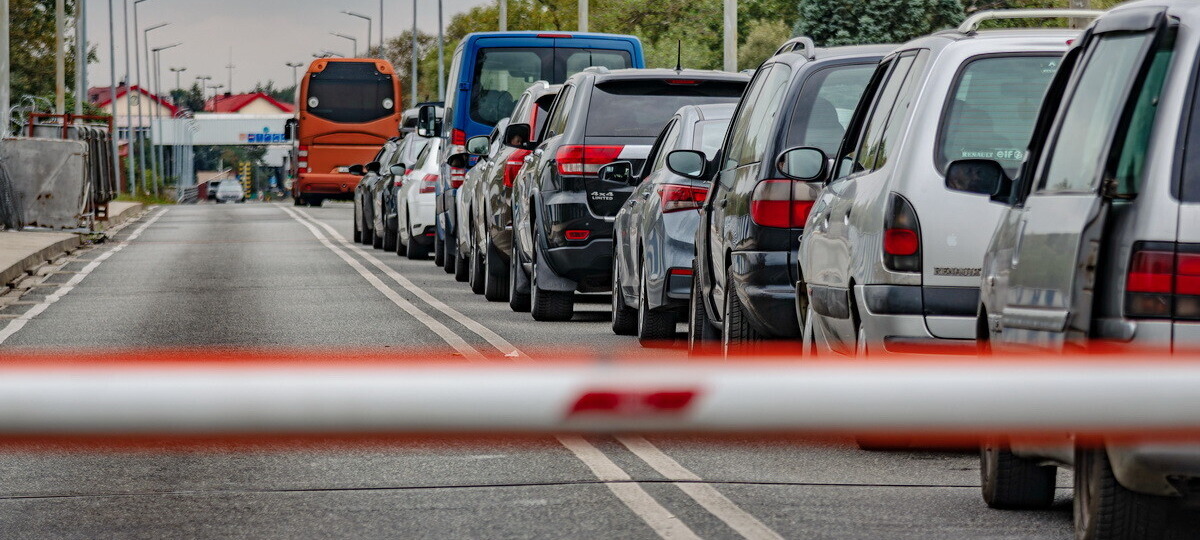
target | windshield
[
  {"x": 640, "y": 108},
  {"x": 351, "y": 92},
  {"x": 502, "y": 74},
  {"x": 993, "y": 107}
]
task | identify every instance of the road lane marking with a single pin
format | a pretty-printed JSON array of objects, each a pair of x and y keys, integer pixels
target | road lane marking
[
  {"x": 666, "y": 524},
  {"x": 454, "y": 340},
  {"x": 482, "y": 331},
  {"x": 704, "y": 494},
  {"x": 17, "y": 324}
]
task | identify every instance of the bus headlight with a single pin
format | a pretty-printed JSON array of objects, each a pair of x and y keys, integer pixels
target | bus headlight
[
  {"x": 388, "y": 103},
  {"x": 313, "y": 101}
]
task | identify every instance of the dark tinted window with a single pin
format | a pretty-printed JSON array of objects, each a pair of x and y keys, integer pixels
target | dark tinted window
[
  {"x": 503, "y": 73},
  {"x": 351, "y": 92},
  {"x": 558, "y": 118},
  {"x": 641, "y": 108},
  {"x": 883, "y": 127},
  {"x": 571, "y": 61},
  {"x": 826, "y": 103},
  {"x": 993, "y": 107}
]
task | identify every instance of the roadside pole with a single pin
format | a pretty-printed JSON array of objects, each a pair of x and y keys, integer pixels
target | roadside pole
[
  {"x": 128, "y": 103},
  {"x": 80, "y": 56},
  {"x": 731, "y": 35},
  {"x": 414, "y": 54},
  {"x": 583, "y": 15},
  {"x": 60, "y": 61},
  {"x": 441, "y": 57},
  {"x": 112, "y": 88},
  {"x": 503, "y": 15},
  {"x": 5, "y": 99}
]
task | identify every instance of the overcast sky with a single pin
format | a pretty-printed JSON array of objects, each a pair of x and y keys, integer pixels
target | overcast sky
[{"x": 263, "y": 34}]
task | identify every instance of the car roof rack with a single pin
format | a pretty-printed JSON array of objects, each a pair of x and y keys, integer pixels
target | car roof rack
[
  {"x": 971, "y": 24},
  {"x": 801, "y": 43}
]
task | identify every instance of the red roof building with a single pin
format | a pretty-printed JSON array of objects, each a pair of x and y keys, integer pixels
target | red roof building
[
  {"x": 141, "y": 102},
  {"x": 256, "y": 103}
]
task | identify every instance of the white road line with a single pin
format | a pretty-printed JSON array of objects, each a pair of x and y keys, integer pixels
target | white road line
[
  {"x": 482, "y": 331},
  {"x": 705, "y": 494},
  {"x": 620, "y": 484},
  {"x": 17, "y": 324},
  {"x": 454, "y": 340}
]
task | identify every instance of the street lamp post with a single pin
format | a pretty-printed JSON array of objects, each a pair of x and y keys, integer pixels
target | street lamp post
[
  {"x": 158, "y": 110},
  {"x": 129, "y": 137},
  {"x": 295, "y": 79},
  {"x": 414, "y": 54},
  {"x": 351, "y": 38},
  {"x": 153, "y": 165},
  {"x": 441, "y": 57},
  {"x": 369, "y": 24},
  {"x": 137, "y": 67},
  {"x": 112, "y": 87},
  {"x": 202, "y": 82},
  {"x": 177, "y": 71}
]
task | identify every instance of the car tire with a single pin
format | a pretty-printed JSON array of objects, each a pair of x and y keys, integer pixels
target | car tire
[
  {"x": 549, "y": 305},
  {"x": 1010, "y": 481},
  {"x": 517, "y": 301},
  {"x": 439, "y": 252},
  {"x": 401, "y": 247},
  {"x": 368, "y": 236},
  {"x": 737, "y": 336},
  {"x": 462, "y": 268},
  {"x": 357, "y": 227},
  {"x": 415, "y": 251},
  {"x": 389, "y": 240},
  {"x": 1106, "y": 510},
  {"x": 297, "y": 201},
  {"x": 654, "y": 328},
  {"x": 316, "y": 202},
  {"x": 624, "y": 318},
  {"x": 495, "y": 277},
  {"x": 701, "y": 332},
  {"x": 377, "y": 240},
  {"x": 475, "y": 272}
]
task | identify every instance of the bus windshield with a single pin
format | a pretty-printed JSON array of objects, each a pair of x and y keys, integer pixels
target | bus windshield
[
  {"x": 351, "y": 92},
  {"x": 503, "y": 73}
]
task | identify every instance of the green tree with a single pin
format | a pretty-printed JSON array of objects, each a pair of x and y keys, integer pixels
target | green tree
[
  {"x": 853, "y": 22},
  {"x": 192, "y": 98},
  {"x": 763, "y": 40},
  {"x": 280, "y": 94},
  {"x": 31, "y": 47}
]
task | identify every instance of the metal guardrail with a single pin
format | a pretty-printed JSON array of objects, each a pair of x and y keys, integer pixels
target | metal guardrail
[{"x": 189, "y": 195}]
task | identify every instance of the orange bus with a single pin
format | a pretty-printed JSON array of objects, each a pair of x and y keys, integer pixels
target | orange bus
[{"x": 348, "y": 108}]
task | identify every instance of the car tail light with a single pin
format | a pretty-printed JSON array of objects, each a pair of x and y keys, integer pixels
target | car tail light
[
  {"x": 781, "y": 203},
  {"x": 578, "y": 160},
  {"x": 458, "y": 137},
  {"x": 577, "y": 234},
  {"x": 681, "y": 271},
  {"x": 675, "y": 197},
  {"x": 901, "y": 237},
  {"x": 1163, "y": 283},
  {"x": 511, "y": 167},
  {"x": 457, "y": 176},
  {"x": 428, "y": 183}
]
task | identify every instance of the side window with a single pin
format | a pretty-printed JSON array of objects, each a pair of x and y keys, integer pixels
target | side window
[
  {"x": 665, "y": 144},
  {"x": 887, "y": 118},
  {"x": 737, "y": 135},
  {"x": 1131, "y": 155},
  {"x": 558, "y": 115},
  {"x": 541, "y": 110},
  {"x": 760, "y": 117},
  {"x": 825, "y": 105},
  {"x": 1091, "y": 113}
]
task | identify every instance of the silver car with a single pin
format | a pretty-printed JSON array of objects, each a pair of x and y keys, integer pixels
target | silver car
[
  {"x": 1098, "y": 241},
  {"x": 890, "y": 256}
]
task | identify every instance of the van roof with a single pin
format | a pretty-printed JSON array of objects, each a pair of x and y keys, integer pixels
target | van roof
[{"x": 549, "y": 34}]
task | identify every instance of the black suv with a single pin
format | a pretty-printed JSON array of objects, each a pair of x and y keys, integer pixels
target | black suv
[
  {"x": 562, "y": 211},
  {"x": 750, "y": 224}
]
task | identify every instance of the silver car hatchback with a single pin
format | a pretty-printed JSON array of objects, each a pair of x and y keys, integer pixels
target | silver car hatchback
[{"x": 891, "y": 256}]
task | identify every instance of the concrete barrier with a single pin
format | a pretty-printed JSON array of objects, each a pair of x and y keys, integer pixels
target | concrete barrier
[{"x": 49, "y": 181}]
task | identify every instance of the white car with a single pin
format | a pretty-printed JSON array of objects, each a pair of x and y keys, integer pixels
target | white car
[
  {"x": 415, "y": 201},
  {"x": 230, "y": 191}
]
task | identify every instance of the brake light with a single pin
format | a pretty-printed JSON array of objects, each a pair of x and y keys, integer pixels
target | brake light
[
  {"x": 676, "y": 197},
  {"x": 428, "y": 183},
  {"x": 302, "y": 152},
  {"x": 511, "y": 167},
  {"x": 1163, "y": 284},
  {"x": 782, "y": 203},
  {"x": 901, "y": 237},
  {"x": 578, "y": 160},
  {"x": 682, "y": 82},
  {"x": 458, "y": 137},
  {"x": 680, "y": 271},
  {"x": 560, "y": 36},
  {"x": 302, "y": 160},
  {"x": 577, "y": 234},
  {"x": 457, "y": 176}
]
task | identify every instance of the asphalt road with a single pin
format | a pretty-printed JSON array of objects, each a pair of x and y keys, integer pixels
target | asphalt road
[{"x": 260, "y": 276}]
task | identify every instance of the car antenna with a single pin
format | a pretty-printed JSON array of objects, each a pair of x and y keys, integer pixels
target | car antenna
[{"x": 679, "y": 55}]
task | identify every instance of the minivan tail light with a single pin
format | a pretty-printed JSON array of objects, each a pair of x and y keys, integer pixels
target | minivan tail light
[
  {"x": 578, "y": 160},
  {"x": 676, "y": 197},
  {"x": 513, "y": 165},
  {"x": 428, "y": 183},
  {"x": 901, "y": 236},
  {"x": 1163, "y": 283},
  {"x": 781, "y": 203},
  {"x": 457, "y": 176}
]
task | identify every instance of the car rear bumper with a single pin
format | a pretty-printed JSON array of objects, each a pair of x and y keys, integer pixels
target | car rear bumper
[
  {"x": 332, "y": 186},
  {"x": 763, "y": 282},
  {"x": 1158, "y": 469}
]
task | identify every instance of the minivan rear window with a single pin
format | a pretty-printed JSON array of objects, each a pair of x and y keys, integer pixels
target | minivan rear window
[
  {"x": 640, "y": 108},
  {"x": 503, "y": 73},
  {"x": 993, "y": 106},
  {"x": 351, "y": 92}
]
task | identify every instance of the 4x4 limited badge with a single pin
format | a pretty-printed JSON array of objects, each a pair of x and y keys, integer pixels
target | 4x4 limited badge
[
  {"x": 602, "y": 196},
  {"x": 960, "y": 272}
]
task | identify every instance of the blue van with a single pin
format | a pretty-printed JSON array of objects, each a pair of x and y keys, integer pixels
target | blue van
[{"x": 488, "y": 72}]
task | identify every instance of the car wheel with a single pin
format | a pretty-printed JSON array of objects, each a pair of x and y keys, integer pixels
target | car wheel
[
  {"x": 475, "y": 272},
  {"x": 519, "y": 302},
  {"x": 297, "y": 201},
  {"x": 401, "y": 247},
  {"x": 357, "y": 228},
  {"x": 549, "y": 305},
  {"x": 1106, "y": 510},
  {"x": 389, "y": 240},
  {"x": 737, "y": 335},
  {"x": 439, "y": 251},
  {"x": 701, "y": 332},
  {"x": 624, "y": 318},
  {"x": 1014, "y": 482},
  {"x": 654, "y": 328},
  {"x": 315, "y": 202},
  {"x": 416, "y": 251},
  {"x": 368, "y": 236},
  {"x": 495, "y": 279},
  {"x": 377, "y": 239},
  {"x": 462, "y": 269}
]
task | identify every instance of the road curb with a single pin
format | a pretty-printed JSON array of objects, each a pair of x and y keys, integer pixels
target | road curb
[
  {"x": 57, "y": 245},
  {"x": 120, "y": 212}
]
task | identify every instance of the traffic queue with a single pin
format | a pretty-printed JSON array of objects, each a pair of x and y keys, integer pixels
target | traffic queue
[{"x": 971, "y": 192}]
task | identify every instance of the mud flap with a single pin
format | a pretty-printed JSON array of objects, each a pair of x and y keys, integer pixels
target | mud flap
[{"x": 548, "y": 279}]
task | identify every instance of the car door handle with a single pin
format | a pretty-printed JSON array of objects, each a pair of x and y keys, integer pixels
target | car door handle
[
  {"x": 1016, "y": 254},
  {"x": 645, "y": 195}
]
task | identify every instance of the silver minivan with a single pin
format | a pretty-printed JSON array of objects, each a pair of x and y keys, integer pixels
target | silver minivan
[
  {"x": 890, "y": 257},
  {"x": 1098, "y": 240}
]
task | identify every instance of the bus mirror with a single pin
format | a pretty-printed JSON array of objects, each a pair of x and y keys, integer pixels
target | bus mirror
[
  {"x": 517, "y": 136},
  {"x": 427, "y": 121},
  {"x": 356, "y": 170},
  {"x": 289, "y": 129}
]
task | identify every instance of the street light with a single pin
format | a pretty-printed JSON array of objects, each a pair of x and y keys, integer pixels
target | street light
[
  {"x": 160, "y": 169},
  {"x": 177, "y": 71},
  {"x": 202, "y": 81},
  {"x": 369, "y": 24},
  {"x": 146, "y": 44},
  {"x": 137, "y": 67},
  {"x": 349, "y": 38},
  {"x": 295, "y": 79}
]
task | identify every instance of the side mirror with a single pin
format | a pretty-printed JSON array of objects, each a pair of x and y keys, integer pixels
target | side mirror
[
  {"x": 617, "y": 171},
  {"x": 518, "y": 136},
  {"x": 427, "y": 121},
  {"x": 687, "y": 163},
  {"x": 804, "y": 163},
  {"x": 357, "y": 170},
  {"x": 978, "y": 176},
  {"x": 374, "y": 167},
  {"x": 478, "y": 145},
  {"x": 289, "y": 129},
  {"x": 396, "y": 170}
]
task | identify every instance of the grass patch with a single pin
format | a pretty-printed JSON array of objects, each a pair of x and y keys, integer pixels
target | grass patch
[{"x": 144, "y": 199}]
